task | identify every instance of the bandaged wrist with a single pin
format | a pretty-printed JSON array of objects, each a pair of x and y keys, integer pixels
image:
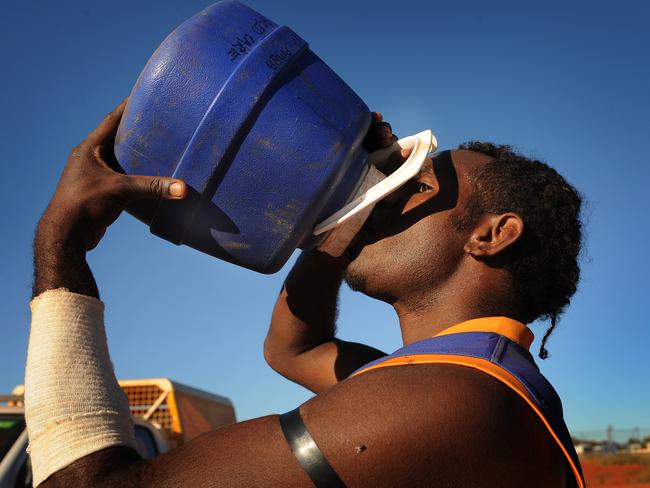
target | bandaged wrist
[{"x": 73, "y": 403}]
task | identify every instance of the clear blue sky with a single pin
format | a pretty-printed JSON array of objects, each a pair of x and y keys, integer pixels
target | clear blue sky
[{"x": 564, "y": 81}]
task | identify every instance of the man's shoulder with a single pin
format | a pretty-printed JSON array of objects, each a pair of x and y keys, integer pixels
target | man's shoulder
[
  {"x": 439, "y": 415},
  {"x": 454, "y": 391}
]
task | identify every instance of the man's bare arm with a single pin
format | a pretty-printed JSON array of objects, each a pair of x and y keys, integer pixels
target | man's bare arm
[
  {"x": 89, "y": 197},
  {"x": 416, "y": 426},
  {"x": 301, "y": 343},
  {"x": 67, "y": 340}
]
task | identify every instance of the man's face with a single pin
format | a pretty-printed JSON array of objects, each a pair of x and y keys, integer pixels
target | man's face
[{"x": 409, "y": 244}]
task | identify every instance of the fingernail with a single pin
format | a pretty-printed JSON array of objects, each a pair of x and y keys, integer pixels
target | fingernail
[{"x": 176, "y": 189}]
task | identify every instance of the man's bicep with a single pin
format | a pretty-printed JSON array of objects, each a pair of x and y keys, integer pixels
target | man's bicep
[
  {"x": 250, "y": 453},
  {"x": 402, "y": 426},
  {"x": 357, "y": 427}
]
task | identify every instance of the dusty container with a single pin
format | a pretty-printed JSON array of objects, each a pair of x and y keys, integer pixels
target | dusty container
[{"x": 266, "y": 135}]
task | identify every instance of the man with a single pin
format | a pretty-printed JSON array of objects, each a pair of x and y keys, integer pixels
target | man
[{"x": 457, "y": 243}]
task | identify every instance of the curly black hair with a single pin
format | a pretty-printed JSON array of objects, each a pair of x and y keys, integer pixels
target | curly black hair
[{"x": 544, "y": 262}]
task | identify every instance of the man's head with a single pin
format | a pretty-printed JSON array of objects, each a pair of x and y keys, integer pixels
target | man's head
[{"x": 505, "y": 227}]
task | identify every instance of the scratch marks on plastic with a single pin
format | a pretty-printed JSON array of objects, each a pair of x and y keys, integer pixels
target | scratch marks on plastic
[{"x": 283, "y": 219}]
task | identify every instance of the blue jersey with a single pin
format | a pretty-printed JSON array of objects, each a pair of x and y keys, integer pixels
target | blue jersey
[{"x": 497, "y": 346}]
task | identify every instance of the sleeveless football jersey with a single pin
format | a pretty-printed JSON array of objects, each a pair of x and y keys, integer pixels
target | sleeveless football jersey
[{"x": 497, "y": 346}]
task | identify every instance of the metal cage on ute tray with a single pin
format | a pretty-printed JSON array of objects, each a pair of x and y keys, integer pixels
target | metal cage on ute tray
[{"x": 182, "y": 412}]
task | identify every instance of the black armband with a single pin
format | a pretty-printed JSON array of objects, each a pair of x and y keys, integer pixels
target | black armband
[{"x": 307, "y": 452}]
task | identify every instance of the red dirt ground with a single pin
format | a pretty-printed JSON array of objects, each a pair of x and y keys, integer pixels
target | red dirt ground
[{"x": 622, "y": 473}]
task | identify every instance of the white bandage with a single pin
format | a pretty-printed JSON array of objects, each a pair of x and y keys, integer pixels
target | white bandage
[
  {"x": 73, "y": 403},
  {"x": 340, "y": 237}
]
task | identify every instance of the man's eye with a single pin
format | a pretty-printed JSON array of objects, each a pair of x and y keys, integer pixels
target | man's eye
[{"x": 423, "y": 188}]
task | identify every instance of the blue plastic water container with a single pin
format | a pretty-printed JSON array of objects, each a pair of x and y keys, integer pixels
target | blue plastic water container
[{"x": 266, "y": 135}]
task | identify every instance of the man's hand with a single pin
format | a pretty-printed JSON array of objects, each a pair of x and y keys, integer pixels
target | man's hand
[
  {"x": 90, "y": 196},
  {"x": 380, "y": 134}
]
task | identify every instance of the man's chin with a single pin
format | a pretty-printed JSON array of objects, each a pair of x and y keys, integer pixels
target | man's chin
[
  {"x": 359, "y": 265},
  {"x": 355, "y": 281},
  {"x": 354, "y": 275}
]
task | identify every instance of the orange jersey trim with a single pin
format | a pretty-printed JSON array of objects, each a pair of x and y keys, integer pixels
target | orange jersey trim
[
  {"x": 504, "y": 326},
  {"x": 489, "y": 368}
]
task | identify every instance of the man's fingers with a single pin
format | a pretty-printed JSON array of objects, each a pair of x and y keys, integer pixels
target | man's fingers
[
  {"x": 144, "y": 187},
  {"x": 384, "y": 134},
  {"x": 379, "y": 136},
  {"x": 105, "y": 156},
  {"x": 105, "y": 132}
]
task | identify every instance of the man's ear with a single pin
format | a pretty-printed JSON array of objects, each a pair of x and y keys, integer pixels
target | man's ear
[{"x": 494, "y": 234}]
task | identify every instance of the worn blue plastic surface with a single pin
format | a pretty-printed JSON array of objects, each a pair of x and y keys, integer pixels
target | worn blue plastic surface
[{"x": 267, "y": 136}]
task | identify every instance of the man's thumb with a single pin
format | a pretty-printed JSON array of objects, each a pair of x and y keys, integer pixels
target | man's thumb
[{"x": 141, "y": 187}]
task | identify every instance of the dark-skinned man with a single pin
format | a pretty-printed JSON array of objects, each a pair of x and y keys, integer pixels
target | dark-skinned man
[{"x": 462, "y": 405}]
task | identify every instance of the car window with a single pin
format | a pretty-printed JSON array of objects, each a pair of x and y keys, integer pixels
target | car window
[
  {"x": 146, "y": 443},
  {"x": 10, "y": 428}
]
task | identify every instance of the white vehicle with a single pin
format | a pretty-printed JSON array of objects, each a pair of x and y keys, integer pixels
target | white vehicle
[{"x": 166, "y": 415}]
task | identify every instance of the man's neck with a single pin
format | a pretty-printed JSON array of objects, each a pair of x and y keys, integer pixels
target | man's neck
[
  {"x": 417, "y": 325},
  {"x": 424, "y": 315}
]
